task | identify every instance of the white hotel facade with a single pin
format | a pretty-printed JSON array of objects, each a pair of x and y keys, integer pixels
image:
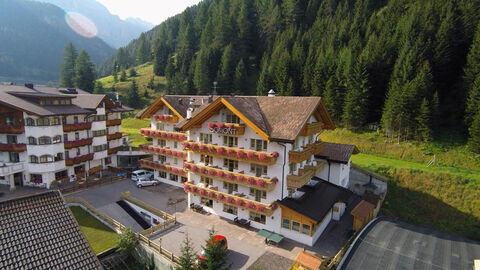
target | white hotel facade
[
  {"x": 51, "y": 135},
  {"x": 252, "y": 158}
]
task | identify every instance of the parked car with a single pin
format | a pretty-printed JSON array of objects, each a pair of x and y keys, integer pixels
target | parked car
[
  {"x": 144, "y": 181},
  {"x": 220, "y": 239},
  {"x": 141, "y": 174}
]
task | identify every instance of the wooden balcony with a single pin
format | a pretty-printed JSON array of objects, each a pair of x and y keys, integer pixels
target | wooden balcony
[
  {"x": 13, "y": 147},
  {"x": 162, "y": 151},
  {"x": 166, "y": 118},
  {"x": 226, "y": 128},
  {"x": 77, "y": 126},
  {"x": 166, "y": 135},
  {"x": 7, "y": 129},
  {"x": 312, "y": 128},
  {"x": 114, "y": 122},
  {"x": 304, "y": 175},
  {"x": 149, "y": 164},
  {"x": 237, "y": 201},
  {"x": 306, "y": 153},
  {"x": 78, "y": 159},
  {"x": 114, "y": 150},
  {"x": 232, "y": 177},
  {"x": 77, "y": 143},
  {"x": 114, "y": 136},
  {"x": 95, "y": 170},
  {"x": 233, "y": 153}
]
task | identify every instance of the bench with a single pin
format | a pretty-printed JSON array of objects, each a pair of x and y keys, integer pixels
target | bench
[
  {"x": 242, "y": 222},
  {"x": 196, "y": 208}
]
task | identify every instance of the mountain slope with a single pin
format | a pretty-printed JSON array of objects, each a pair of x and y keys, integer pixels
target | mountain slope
[
  {"x": 32, "y": 38},
  {"x": 113, "y": 30}
]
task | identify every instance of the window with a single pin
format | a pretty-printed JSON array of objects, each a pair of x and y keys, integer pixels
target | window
[
  {"x": 48, "y": 102},
  {"x": 258, "y": 169},
  {"x": 99, "y": 148},
  {"x": 162, "y": 174},
  {"x": 175, "y": 144},
  {"x": 46, "y": 159},
  {"x": 78, "y": 151},
  {"x": 162, "y": 159},
  {"x": 160, "y": 126},
  {"x": 44, "y": 140},
  {"x": 75, "y": 119},
  {"x": 230, "y": 141},
  {"x": 56, "y": 121},
  {"x": 30, "y": 122},
  {"x": 258, "y": 145},
  {"x": 101, "y": 117},
  {"x": 36, "y": 178},
  {"x": 57, "y": 139},
  {"x": 206, "y": 159},
  {"x": 230, "y": 209},
  {"x": 162, "y": 143},
  {"x": 293, "y": 167},
  {"x": 108, "y": 160},
  {"x": 206, "y": 202},
  {"x": 295, "y": 226},
  {"x": 33, "y": 159},
  {"x": 306, "y": 229},
  {"x": 9, "y": 121},
  {"x": 61, "y": 174},
  {"x": 232, "y": 118},
  {"x": 43, "y": 122},
  {"x": 98, "y": 133},
  {"x": 258, "y": 194},
  {"x": 257, "y": 217},
  {"x": 286, "y": 223},
  {"x": 175, "y": 161},
  {"x": 67, "y": 154},
  {"x": 65, "y": 137},
  {"x": 231, "y": 164},
  {"x": 206, "y": 180},
  {"x": 59, "y": 156},
  {"x": 77, "y": 135},
  {"x": 184, "y": 179},
  {"x": 173, "y": 177},
  {"x": 205, "y": 138},
  {"x": 230, "y": 187},
  {"x": 14, "y": 157},
  {"x": 11, "y": 139}
]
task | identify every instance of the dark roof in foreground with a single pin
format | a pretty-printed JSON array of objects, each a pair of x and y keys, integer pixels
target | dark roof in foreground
[
  {"x": 337, "y": 152},
  {"x": 40, "y": 232},
  {"x": 319, "y": 199},
  {"x": 391, "y": 244}
]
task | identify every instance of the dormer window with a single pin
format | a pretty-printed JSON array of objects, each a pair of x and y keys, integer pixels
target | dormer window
[{"x": 232, "y": 118}]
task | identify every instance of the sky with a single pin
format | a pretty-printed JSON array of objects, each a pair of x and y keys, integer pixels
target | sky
[{"x": 153, "y": 11}]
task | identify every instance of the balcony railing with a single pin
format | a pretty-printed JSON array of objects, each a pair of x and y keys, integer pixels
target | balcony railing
[
  {"x": 226, "y": 128},
  {"x": 148, "y": 163},
  {"x": 114, "y": 150},
  {"x": 234, "y": 153},
  {"x": 95, "y": 169},
  {"x": 312, "y": 128},
  {"x": 232, "y": 177},
  {"x": 304, "y": 175},
  {"x": 113, "y": 122},
  {"x": 306, "y": 153},
  {"x": 162, "y": 151},
  {"x": 166, "y": 118},
  {"x": 77, "y": 126},
  {"x": 13, "y": 147},
  {"x": 78, "y": 159},
  {"x": 11, "y": 129},
  {"x": 114, "y": 136},
  {"x": 167, "y": 135},
  {"x": 78, "y": 143},
  {"x": 237, "y": 201},
  {"x": 11, "y": 168}
]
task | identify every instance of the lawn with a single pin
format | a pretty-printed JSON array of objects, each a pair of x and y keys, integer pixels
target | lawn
[
  {"x": 131, "y": 126},
  {"x": 98, "y": 235}
]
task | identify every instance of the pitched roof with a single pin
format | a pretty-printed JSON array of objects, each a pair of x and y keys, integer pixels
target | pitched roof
[
  {"x": 308, "y": 260},
  {"x": 40, "y": 232},
  {"x": 337, "y": 152},
  {"x": 400, "y": 245},
  {"x": 179, "y": 104},
  {"x": 318, "y": 199}
]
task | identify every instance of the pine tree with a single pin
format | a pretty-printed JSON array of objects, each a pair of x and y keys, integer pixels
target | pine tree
[
  {"x": 115, "y": 71},
  {"x": 472, "y": 67},
  {"x": 151, "y": 83},
  {"x": 132, "y": 98},
  {"x": 356, "y": 99},
  {"x": 132, "y": 73},
  {"x": 473, "y": 101},
  {"x": 435, "y": 111},
  {"x": 424, "y": 130},
  {"x": 98, "y": 88},
  {"x": 474, "y": 132},
  {"x": 330, "y": 98},
  {"x": 227, "y": 70},
  {"x": 84, "y": 72},
  {"x": 123, "y": 76},
  {"x": 143, "y": 52},
  {"x": 67, "y": 72},
  {"x": 216, "y": 255},
  {"x": 188, "y": 257},
  {"x": 201, "y": 79},
  {"x": 240, "y": 78}
]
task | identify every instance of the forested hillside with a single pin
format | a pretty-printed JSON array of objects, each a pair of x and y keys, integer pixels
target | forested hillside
[{"x": 411, "y": 66}]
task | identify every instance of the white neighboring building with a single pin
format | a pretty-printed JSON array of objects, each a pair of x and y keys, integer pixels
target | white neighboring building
[
  {"x": 253, "y": 158},
  {"x": 52, "y": 135}
]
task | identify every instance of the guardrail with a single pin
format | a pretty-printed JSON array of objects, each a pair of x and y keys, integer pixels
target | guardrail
[{"x": 115, "y": 224}]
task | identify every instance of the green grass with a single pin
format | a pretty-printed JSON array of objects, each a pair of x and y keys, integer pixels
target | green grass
[
  {"x": 132, "y": 126},
  {"x": 98, "y": 235}
]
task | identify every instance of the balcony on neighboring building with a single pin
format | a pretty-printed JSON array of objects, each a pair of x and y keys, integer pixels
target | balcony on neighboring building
[
  {"x": 230, "y": 199},
  {"x": 162, "y": 151},
  {"x": 77, "y": 126},
  {"x": 13, "y": 147},
  {"x": 312, "y": 128},
  {"x": 114, "y": 136},
  {"x": 304, "y": 175},
  {"x": 166, "y": 118},
  {"x": 95, "y": 169},
  {"x": 233, "y": 153},
  {"x": 149, "y": 164},
  {"x": 9, "y": 129},
  {"x": 226, "y": 128},
  {"x": 239, "y": 178},
  {"x": 113, "y": 122},
  {"x": 78, "y": 143},
  {"x": 166, "y": 135},
  {"x": 11, "y": 168},
  {"x": 297, "y": 156},
  {"x": 78, "y": 159},
  {"x": 114, "y": 150}
]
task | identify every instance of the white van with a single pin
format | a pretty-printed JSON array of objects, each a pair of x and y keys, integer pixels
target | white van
[{"x": 141, "y": 174}]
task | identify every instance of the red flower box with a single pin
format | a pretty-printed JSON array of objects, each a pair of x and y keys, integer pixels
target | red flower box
[
  {"x": 186, "y": 166},
  {"x": 186, "y": 188},
  {"x": 250, "y": 180},
  {"x": 239, "y": 202},
  {"x": 211, "y": 172},
  {"x": 219, "y": 125},
  {"x": 229, "y": 200},
  {"x": 260, "y": 208},
  {"x": 250, "y": 154},
  {"x": 211, "y": 125},
  {"x": 230, "y": 176},
  {"x": 219, "y": 173},
  {"x": 201, "y": 147},
  {"x": 211, "y": 149},
  {"x": 239, "y": 154},
  {"x": 230, "y": 151},
  {"x": 260, "y": 183},
  {"x": 275, "y": 154},
  {"x": 202, "y": 170},
  {"x": 194, "y": 168},
  {"x": 250, "y": 205},
  {"x": 220, "y": 150},
  {"x": 262, "y": 157},
  {"x": 220, "y": 196},
  {"x": 211, "y": 195},
  {"x": 240, "y": 178},
  {"x": 163, "y": 135},
  {"x": 202, "y": 192}
]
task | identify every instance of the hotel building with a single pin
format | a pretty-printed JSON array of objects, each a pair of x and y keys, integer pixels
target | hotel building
[
  {"x": 50, "y": 135},
  {"x": 253, "y": 158}
]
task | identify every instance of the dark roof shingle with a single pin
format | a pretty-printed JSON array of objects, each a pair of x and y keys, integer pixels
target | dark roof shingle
[{"x": 337, "y": 152}]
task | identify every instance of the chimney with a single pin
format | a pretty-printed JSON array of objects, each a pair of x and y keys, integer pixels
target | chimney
[
  {"x": 271, "y": 93},
  {"x": 29, "y": 85},
  {"x": 190, "y": 108}
]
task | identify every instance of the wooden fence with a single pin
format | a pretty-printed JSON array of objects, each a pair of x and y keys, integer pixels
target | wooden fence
[
  {"x": 159, "y": 249},
  {"x": 115, "y": 224}
]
